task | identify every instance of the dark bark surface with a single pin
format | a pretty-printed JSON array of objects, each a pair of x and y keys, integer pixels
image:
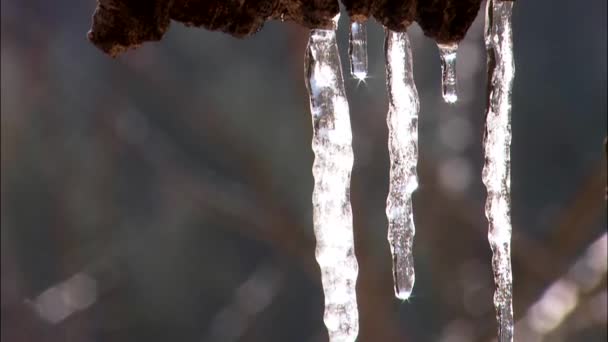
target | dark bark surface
[
  {"x": 396, "y": 15},
  {"x": 446, "y": 21},
  {"x": 122, "y": 24}
]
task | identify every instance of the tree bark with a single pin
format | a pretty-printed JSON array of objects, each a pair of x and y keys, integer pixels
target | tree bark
[{"x": 122, "y": 24}]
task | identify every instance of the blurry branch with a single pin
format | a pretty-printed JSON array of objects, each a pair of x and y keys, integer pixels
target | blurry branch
[
  {"x": 606, "y": 161},
  {"x": 530, "y": 259},
  {"x": 574, "y": 228},
  {"x": 250, "y": 299},
  {"x": 583, "y": 212},
  {"x": 567, "y": 296},
  {"x": 258, "y": 215},
  {"x": 592, "y": 312},
  {"x": 269, "y": 222},
  {"x": 273, "y": 225}
]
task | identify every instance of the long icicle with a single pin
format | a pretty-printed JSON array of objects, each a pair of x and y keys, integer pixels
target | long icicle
[
  {"x": 402, "y": 123},
  {"x": 332, "y": 213},
  {"x": 496, "y": 173}
]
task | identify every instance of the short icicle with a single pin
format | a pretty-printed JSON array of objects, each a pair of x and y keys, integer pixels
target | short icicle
[
  {"x": 357, "y": 50},
  {"x": 402, "y": 123},
  {"x": 496, "y": 173},
  {"x": 332, "y": 213},
  {"x": 448, "y": 54}
]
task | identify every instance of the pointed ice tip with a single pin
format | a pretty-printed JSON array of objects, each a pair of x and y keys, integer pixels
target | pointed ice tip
[
  {"x": 403, "y": 294},
  {"x": 450, "y": 98},
  {"x": 361, "y": 76}
]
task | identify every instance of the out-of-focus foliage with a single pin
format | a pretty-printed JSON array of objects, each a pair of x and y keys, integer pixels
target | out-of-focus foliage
[{"x": 165, "y": 195}]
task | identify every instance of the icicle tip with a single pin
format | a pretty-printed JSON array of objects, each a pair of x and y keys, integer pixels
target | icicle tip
[
  {"x": 450, "y": 98},
  {"x": 361, "y": 76},
  {"x": 447, "y": 53},
  {"x": 403, "y": 294}
]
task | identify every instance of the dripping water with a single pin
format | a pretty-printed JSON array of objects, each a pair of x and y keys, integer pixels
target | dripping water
[
  {"x": 402, "y": 121},
  {"x": 332, "y": 213}
]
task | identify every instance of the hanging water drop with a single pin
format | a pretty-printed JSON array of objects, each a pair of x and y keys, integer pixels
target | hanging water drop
[
  {"x": 447, "y": 53},
  {"x": 402, "y": 120},
  {"x": 332, "y": 213},
  {"x": 496, "y": 173},
  {"x": 357, "y": 50}
]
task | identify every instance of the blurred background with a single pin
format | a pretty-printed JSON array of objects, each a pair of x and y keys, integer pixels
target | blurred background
[{"x": 166, "y": 195}]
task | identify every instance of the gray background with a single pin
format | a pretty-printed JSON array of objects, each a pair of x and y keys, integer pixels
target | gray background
[{"x": 178, "y": 177}]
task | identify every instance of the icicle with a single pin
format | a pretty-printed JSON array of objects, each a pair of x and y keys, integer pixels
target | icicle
[
  {"x": 402, "y": 123},
  {"x": 332, "y": 215},
  {"x": 357, "y": 50},
  {"x": 447, "y": 53},
  {"x": 497, "y": 169}
]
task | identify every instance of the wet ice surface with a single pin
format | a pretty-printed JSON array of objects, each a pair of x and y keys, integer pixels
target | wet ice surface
[
  {"x": 448, "y": 54},
  {"x": 402, "y": 121},
  {"x": 496, "y": 173},
  {"x": 332, "y": 214},
  {"x": 357, "y": 50}
]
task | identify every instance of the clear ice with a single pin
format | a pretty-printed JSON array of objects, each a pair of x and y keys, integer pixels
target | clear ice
[
  {"x": 447, "y": 53},
  {"x": 496, "y": 173},
  {"x": 357, "y": 50},
  {"x": 332, "y": 213},
  {"x": 402, "y": 123}
]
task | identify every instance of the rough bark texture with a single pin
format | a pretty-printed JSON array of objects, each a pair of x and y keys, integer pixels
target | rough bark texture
[
  {"x": 358, "y": 10},
  {"x": 446, "y": 21},
  {"x": 396, "y": 15},
  {"x": 122, "y": 24}
]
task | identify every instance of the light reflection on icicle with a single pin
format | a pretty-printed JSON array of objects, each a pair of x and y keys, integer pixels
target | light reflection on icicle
[
  {"x": 332, "y": 214},
  {"x": 402, "y": 123},
  {"x": 357, "y": 50},
  {"x": 496, "y": 173},
  {"x": 447, "y": 54}
]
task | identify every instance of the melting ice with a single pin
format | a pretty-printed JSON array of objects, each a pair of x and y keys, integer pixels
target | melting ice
[
  {"x": 332, "y": 215},
  {"x": 332, "y": 138},
  {"x": 496, "y": 173},
  {"x": 402, "y": 120},
  {"x": 447, "y": 53},
  {"x": 357, "y": 50}
]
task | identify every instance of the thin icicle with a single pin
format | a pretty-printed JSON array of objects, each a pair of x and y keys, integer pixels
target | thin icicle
[
  {"x": 402, "y": 123},
  {"x": 497, "y": 169},
  {"x": 448, "y": 54},
  {"x": 332, "y": 215},
  {"x": 357, "y": 50}
]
